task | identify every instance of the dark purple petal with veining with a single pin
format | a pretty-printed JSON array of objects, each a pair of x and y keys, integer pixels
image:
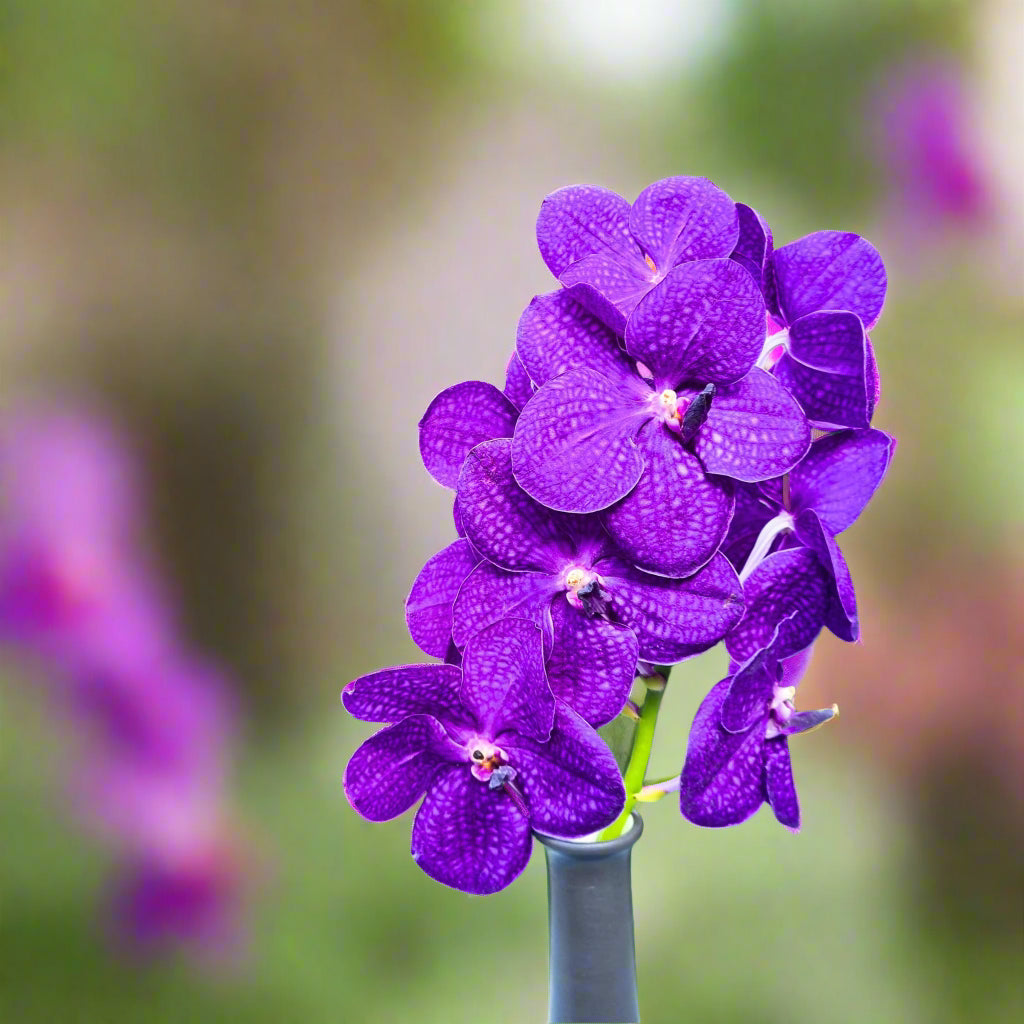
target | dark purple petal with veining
[
  {"x": 754, "y": 243},
  {"x": 600, "y": 306},
  {"x": 468, "y": 836},
  {"x": 683, "y": 218},
  {"x": 786, "y": 582},
  {"x": 502, "y": 521},
  {"x": 518, "y": 386},
  {"x": 830, "y": 270},
  {"x": 828, "y": 400},
  {"x": 832, "y": 340},
  {"x": 574, "y": 448},
  {"x": 704, "y": 323},
  {"x": 393, "y": 768},
  {"x": 674, "y": 619},
  {"x": 395, "y": 693},
  {"x": 841, "y": 616},
  {"x": 750, "y": 694},
  {"x": 582, "y": 219},
  {"x": 840, "y": 474},
  {"x": 592, "y": 663},
  {"x": 503, "y": 680},
  {"x": 607, "y": 287},
  {"x": 428, "y": 608},
  {"x": 754, "y": 430},
  {"x": 721, "y": 782},
  {"x": 456, "y": 421},
  {"x": 571, "y": 783},
  {"x": 674, "y": 520},
  {"x": 779, "y": 787},
  {"x": 557, "y": 334},
  {"x": 490, "y": 594}
]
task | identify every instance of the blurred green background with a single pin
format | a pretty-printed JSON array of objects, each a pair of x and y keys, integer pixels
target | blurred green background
[{"x": 265, "y": 235}]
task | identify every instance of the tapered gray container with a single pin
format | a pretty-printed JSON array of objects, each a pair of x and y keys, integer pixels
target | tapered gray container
[{"x": 590, "y": 928}]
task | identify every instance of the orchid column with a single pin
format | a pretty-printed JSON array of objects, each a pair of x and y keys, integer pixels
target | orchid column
[{"x": 684, "y": 431}]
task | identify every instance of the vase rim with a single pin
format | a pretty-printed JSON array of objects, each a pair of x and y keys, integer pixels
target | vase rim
[{"x": 604, "y": 848}]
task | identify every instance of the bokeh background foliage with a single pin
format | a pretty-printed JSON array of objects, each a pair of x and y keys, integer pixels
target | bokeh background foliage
[{"x": 265, "y": 237}]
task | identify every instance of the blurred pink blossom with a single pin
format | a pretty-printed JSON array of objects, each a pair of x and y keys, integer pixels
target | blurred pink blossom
[{"x": 152, "y": 723}]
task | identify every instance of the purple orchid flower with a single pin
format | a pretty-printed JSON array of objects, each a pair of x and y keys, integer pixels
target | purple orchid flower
[
  {"x": 738, "y": 753},
  {"x": 611, "y": 613},
  {"x": 610, "y": 254},
  {"x": 638, "y": 431},
  {"x": 492, "y": 750},
  {"x": 825, "y": 291},
  {"x": 783, "y": 539}
]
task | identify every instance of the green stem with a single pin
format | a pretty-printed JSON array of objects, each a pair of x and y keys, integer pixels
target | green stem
[{"x": 636, "y": 769}]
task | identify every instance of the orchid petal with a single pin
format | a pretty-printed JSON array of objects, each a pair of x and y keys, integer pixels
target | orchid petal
[
  {"x": 721, "y": 781},
  {"x": 457, "y": 420},
  {"x": 571, "y": 783},
  {"x": 840, "y": 474},
  {"x": 468, "y": 836},
  {"x": 557, "y": 334},
  {"x": 573, "y": 449},
  {"x": 675, "y": 518},
  {"x": 830, "y": 270},
  {"x": 428, "y": 608},
  {"x": 754, "y": 430},
  {"x": 502, "y": 521},
  {"x": 779, "y": 787},
  {"x": 490, "y": 594},
  {"x": 674, "y": 619},
  {"x": 703, "y": 323},
  {"x": 592, "y": 663},
  {"x": 395, "y": 693},
  {"x": 786, "y": 582},
  {"x": 684, "y": 218},
  {"x": 390, "y": 771},
  {"x": 582, "y": 219},
  {"x": 503, "y": 680}
]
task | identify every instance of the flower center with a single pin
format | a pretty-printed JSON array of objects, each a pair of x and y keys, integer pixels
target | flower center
[
  {"x": 486, "y": 758},
  {"x": 682, "y": 415},
  {"x": 667, "y": 408},
  {"x": 584, "y": 589},
  {"x": 782, "y": 710}
]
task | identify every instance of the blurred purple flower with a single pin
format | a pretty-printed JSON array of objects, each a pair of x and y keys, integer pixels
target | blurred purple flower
[
  {"x": 79, "y": 596},
  {"x": 492, "y": 750},
  {"x": 922, "y": 132},
  {"x": 194, "y": 900}
]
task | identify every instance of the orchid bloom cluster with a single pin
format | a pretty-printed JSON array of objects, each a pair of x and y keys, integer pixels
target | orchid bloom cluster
[
  {"x": 151, "y": 721},
  {"x": 683, "y": 432}
]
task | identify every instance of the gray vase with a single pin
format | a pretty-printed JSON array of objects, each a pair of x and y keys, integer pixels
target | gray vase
[{"x": 590, "y": 929}]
